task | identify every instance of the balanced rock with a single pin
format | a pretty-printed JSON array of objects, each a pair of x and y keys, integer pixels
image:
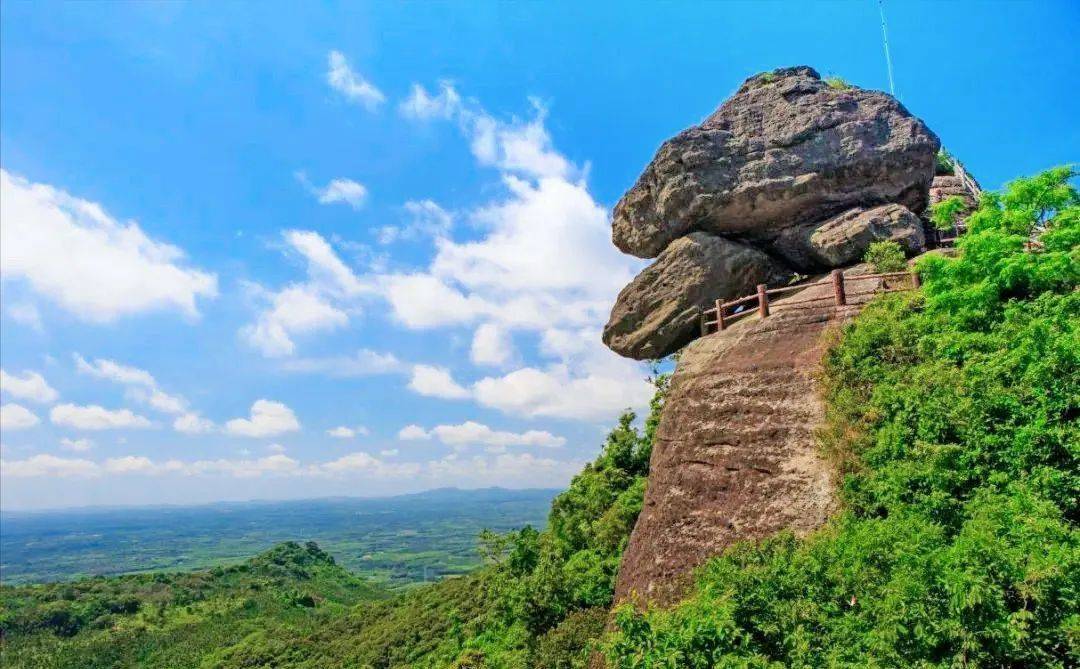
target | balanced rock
[
  {"x": 843, "y": 239},
  {"x": 786, "y": 149},
  {"x": 659, "y": 311}
]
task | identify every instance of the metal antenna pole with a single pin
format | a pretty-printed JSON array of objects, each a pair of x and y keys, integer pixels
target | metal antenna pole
[{"x": 885, "y": 39}]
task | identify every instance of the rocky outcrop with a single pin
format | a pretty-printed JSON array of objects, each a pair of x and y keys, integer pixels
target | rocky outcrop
[
  {"x": 842, "y": 240},
  {"x": 660, "y": 310},
  {"x": 790, "y": 175},
  {"x": 786, "y": 149}
]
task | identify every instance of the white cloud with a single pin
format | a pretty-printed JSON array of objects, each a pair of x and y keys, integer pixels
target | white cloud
[
  {"x": 17, "y": 417},
  {"x": 317, "y": 305},
  {"x": 345, "y": 432},
  {"x": 338, "y": 191},
  {"x": 30, "y": 386},
  {"x": 513, "y": 470},
  {"x": 365, "y": 463},
  {"x": 276, "y": 448},
  {"x": 433, "y": 381},
  {"x": 49, "y": 465},
  {"x": 268, "y": 419},
  {"x": 351, "y": 85},
  {"x": 446, "y": 104},
  {"x": 116, "y": 269},
  {"x": 129, "y": 464},
  {"x": 543, "y": 263},
  {"x": 389, "y": 452},
  {"x": 413, "y": 433},
  {"x": 193, "y": 423},
  {"x": 364, "y": 362},
  {"x": 471, "y": 433},
  {"x": 25, "y": 313},
  {"x": 77, "y": 445},
  {"x": 94, "y": 417},
  {"x": 558, "y": 393},
  {"x": 491, "y": 345},
  {"x": 114, "y": 371},
  {"x": 293, "y": 311},
  {"x": 326, "y": 270},
  {"x": 141, "y": 384},
  {"x": 276, "y": 464},
  {"x": 426, "y": 219}
]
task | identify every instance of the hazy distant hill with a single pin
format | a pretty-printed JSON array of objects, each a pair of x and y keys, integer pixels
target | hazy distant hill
[{"x": 394, "y": 540}]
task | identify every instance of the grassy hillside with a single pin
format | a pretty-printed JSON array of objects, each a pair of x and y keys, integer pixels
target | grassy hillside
[{"x": 175, "y": 620}]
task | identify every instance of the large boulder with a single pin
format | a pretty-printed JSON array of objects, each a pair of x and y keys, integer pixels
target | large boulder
[
  {"x": 786, "y": 149},
  {"x": 660, "y": 310},
  {"x": 843, "y": 239}
]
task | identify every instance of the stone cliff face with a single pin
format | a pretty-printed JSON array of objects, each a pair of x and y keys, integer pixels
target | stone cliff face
[
  {"x": 789, "y": 175},
  {"x": 735, "y": 456}
]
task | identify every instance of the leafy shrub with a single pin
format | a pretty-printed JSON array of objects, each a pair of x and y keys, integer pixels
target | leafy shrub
[
  {"x": 944, "y": 163},
  {"x": 837, "y": 83},
  {"x": 946, "y": 214},
  {"x": 958, "y": 544},
  {"x": 886, "y": 256}
]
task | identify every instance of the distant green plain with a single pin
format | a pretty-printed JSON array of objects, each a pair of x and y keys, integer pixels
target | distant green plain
[{"x": 396, "y": 542}]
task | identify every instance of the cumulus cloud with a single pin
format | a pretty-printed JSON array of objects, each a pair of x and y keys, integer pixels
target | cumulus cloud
[
  {"x": 316, "y": 305},
  {"x": 49, "y": 466},
  {"x": 141, "y": 385},
  {"x": 413, "y": 433},
  {"x": 118, "y": 271},
  {"x": 491, "y": 345},
  {"x": 543, "y": 262},
  {"x": 345, "y": 432},
  {"x": 293, "y": 311},
  {"x": 432, "y": 381},
  {"x": 471, "y": 433},
  {"x": 193, "y": 423},
  {"x": 338, "y": 191},
  {"x": 268, "y": 419},
  {"x": 514, "y": 470},
  {"x": 17, "y": 417},
  {"x": 76, "y": 445},
  {"x": 346, "y": 81},
  {"x": 94, "y": 417},
  {"x": 29, "y": 386}
]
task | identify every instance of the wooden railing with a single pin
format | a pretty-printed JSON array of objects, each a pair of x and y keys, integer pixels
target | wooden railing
[{"x": 720, "y": 316}]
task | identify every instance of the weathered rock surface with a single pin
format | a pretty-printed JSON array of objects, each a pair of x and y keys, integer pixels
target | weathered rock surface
[
  {"x": 659, "y": 311},
  {"x": 786, "y": 149},
  {"x": 945, "y": 186},
  {"x": 735, "y": 455},
  {"x": 843, "y": 239}
]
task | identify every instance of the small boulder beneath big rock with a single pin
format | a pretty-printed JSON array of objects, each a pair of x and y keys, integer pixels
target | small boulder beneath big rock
[
  {"x": 842, "y": 240},
  {"x": 660, "y": 310},
  {"x": 786, "y": 149}
]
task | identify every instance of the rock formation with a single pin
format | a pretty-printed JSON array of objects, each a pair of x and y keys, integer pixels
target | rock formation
[
  {"x": 791, "y": 174},
  {"x": 791, "y": 167}
]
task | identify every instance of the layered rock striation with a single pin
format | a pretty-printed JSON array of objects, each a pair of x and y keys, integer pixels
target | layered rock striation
[{"x": 791, "y": 174}]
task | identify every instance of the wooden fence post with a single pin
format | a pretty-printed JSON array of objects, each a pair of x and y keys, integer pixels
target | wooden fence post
[
  {"x": 916, "y": 281},
  {"x": 763, "y": 300},
  {"x": 720, "y": 325},
  {"x": 838, "y": 287}
]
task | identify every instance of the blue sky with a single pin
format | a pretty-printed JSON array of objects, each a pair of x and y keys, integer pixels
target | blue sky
[{"x": 294, "y": 250}]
